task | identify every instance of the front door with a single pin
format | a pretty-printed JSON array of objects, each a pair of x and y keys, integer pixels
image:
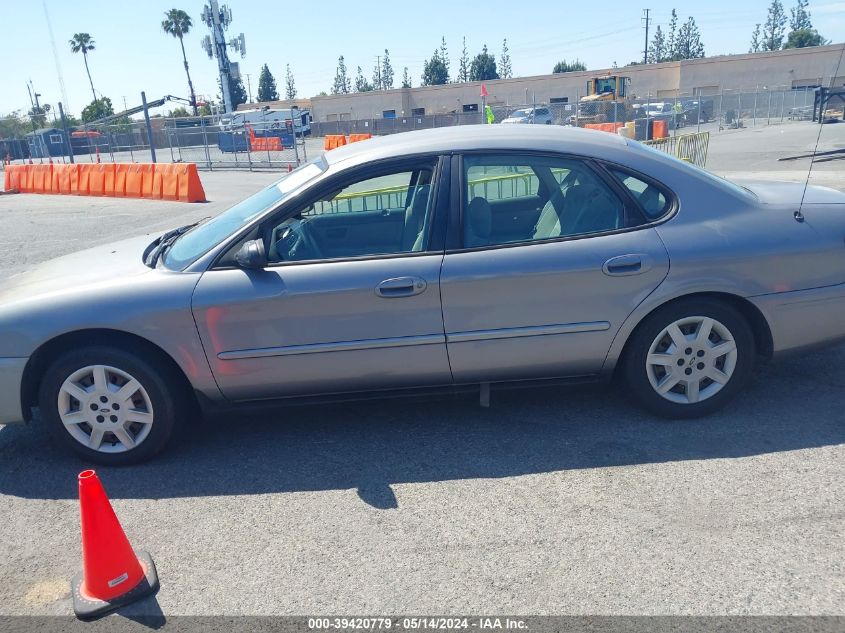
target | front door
[
  {"x": 350, "y": 300},
  {"x": 550, "y": 264}
]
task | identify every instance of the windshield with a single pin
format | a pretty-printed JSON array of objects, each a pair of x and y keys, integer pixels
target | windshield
[
  {"x": 521, "y": 113},
  {"x": 195, "y": 243}
]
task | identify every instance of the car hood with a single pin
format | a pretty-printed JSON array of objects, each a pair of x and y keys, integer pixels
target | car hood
[
  {"x": 115, "y": 262},
  {"x": 792, "y": 193}
]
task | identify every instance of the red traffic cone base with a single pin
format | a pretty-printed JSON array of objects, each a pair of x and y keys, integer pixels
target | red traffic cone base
[
  {"x": 87, "y": 607},
  {"x": 113, "y": 574}
]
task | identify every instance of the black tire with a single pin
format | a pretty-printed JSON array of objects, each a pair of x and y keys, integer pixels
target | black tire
[
  {"x": 156, "y": 379},
  {"x": 634, "y": 361}
]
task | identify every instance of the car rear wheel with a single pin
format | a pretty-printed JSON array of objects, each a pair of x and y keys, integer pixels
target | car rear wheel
[
  {"x": 690, "y": 358},
  {"x": 109, "y": 406}
]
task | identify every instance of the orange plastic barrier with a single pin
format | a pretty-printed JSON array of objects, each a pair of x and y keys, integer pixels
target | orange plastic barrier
[
  {"x": 151, "y": 185},
  {"x": 354, "y": 138},
  {"x": 660, "y": 129},
  {"x": 189, "y": 186},
  {"x": 98, "y": 182},
  {"x": 263, "y": 143},
  {"x": 604, "y": 127},
  {"x": 62, "y": 178},
  {"x": 42, "y": 178},
  {"x": 84, "y": 178},
  {"x": 120, "y": 172},
  {"x": 333, "y": 141},
  {"x": 162, "y": 181},
  {"x": 15, "y": 178}
]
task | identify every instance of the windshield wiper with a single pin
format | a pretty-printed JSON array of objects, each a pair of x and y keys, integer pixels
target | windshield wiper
[{"x": 166, "y": 240}]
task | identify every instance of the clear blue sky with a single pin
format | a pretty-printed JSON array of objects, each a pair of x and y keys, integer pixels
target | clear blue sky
[{"x": 133, "y": 54}]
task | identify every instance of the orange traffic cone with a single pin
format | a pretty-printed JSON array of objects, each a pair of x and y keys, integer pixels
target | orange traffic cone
[
  {"x": 112, "y": 573},
  {"x": 290, "y": 167}
]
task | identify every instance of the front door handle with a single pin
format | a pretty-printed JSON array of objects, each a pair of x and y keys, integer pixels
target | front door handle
[
  {"x": 401, "y": 287},
  {"x": 624, "y": 265}
]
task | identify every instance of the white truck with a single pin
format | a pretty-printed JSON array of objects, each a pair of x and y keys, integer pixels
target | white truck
[{"x": 269, "y": 119}]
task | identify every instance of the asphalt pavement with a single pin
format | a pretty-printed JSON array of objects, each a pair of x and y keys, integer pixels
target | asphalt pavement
[{"x": 552, "y": 501}]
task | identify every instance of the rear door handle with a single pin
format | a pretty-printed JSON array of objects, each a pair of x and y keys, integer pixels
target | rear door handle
[
  {"x": 624, "y": 265},
  {"x": 401, "y": 287}
]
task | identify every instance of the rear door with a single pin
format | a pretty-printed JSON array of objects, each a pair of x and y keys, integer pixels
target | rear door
[{"x": 547, "y": 302}]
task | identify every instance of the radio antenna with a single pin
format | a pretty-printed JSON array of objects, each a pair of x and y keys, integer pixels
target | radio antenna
[{"x": 798, "y": 214}]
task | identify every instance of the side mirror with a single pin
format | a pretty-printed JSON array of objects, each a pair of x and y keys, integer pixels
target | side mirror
[{"x": 251, "y": 255}]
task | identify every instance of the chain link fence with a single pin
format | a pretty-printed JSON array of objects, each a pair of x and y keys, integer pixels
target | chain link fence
[
  {"x": 209, "y": 144},
  {"x": 721, "y": 109},
  {"x": 200, "y": 140}
]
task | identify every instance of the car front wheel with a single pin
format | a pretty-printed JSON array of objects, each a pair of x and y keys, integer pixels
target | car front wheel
[
  {"x": 690, "y": 358},
  {"x": 110, "y": 406}
]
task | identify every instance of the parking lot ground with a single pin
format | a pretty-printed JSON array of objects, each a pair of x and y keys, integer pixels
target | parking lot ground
[{"x": 553, "y": 501}]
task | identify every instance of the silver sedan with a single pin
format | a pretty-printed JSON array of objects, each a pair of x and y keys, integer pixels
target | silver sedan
[{"x": 443, "y": 259}]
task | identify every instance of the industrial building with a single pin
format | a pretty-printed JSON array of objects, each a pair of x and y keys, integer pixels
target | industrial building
[{"x": 772, "y": 70}]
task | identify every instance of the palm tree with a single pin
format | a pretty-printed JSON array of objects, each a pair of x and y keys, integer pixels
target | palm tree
[
  {"x": 177, "y": 23},
  {"x": 82, "y": 43}
]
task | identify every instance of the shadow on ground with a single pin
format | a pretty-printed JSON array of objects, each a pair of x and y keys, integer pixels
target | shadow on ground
[{"x": 794, "y": 404}]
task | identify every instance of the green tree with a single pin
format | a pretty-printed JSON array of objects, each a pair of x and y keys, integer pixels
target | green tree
[
  {"x": 178, "y": 23},
  {"x": 800, "y": 16},
  {"x": 483, "y": 67},
  {"x": 689, "y": 45},
  {"x": 755, "y": 39},
  {"x": 672, "y": 37},
  {"x": 38, "y": 116},
  {"x": 505, "y": 68},
  {"x": 406, "y": 78},
  {"x": 236, "y": 91},
  {"x": 444, "y": 55},
  {"x": 463, "y": 67},
  {"x": 177, "y": 112},
  {"x": 802, "y": 38},
  {"x": 97, "y": 109},
  {"x": 435, "y": 72},
  {"x": 657, "y": 52},
  {"x": 774, "y": 28},
  {"x": 802, "y": 33},
  {"x": 290, "y": 85},
  {"x": 267, "y": 85},
  {"x": 84, "y": 43},
  {"x": 341, "y": 85},
  {"x": 564, "y": 66},
  {"x": 14, "y": 125},
  {"x": 386, "y": 72},
  {"x": 361, "y": 84}
]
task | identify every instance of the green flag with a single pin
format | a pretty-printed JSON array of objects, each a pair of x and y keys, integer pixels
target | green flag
[{"x": 488, "y": 111}]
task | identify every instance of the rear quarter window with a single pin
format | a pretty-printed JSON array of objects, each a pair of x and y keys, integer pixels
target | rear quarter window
[{"x": 653, "y": 201}]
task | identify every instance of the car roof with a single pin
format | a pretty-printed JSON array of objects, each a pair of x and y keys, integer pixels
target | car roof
[{"x": 553, "y": 138}]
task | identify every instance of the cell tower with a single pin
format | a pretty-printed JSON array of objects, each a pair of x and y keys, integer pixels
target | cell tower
[{"x": 218, "y": 19}]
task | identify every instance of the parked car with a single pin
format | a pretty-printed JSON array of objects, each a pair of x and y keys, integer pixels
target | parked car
[
  {"x": 695, "y": 108},
  {"x": 540, "y": 116},
  {"x": 442, "y": 259},
  {"x": 661, "y": 111}
]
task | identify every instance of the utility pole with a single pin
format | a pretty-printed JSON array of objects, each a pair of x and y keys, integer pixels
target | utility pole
[
  {"x": 248, "y": 87},
  {"x": 646, "y": 19}
]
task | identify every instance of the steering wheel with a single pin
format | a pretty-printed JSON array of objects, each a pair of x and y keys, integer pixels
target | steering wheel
[{"x": 296, "y": 243}]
